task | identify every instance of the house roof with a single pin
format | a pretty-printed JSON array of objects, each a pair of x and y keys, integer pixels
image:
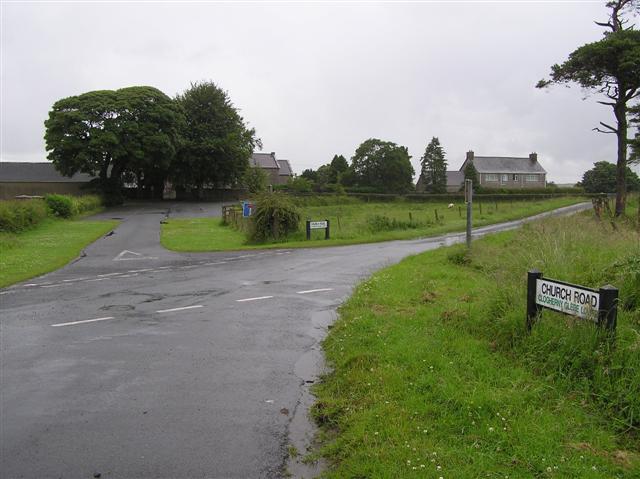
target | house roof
[
  {"x": 285, "y": 168},
  {"x": 264, "y": 160},
  {"x": 455, "y": 178},
  {"x": 14, "y": 172},
  {"x": 505, "y": 164}
]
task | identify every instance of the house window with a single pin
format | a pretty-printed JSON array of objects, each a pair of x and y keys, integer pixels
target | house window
[
  {"x": 505, "y": 178},
  {"x": 515, "y": 177},
  {"x": 531, "y": 178},
  {"x": 491, "y": 177}
]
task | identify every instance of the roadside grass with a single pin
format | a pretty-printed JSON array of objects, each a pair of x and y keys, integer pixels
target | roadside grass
[
  {"x": 46, "y": 247},
  {"x": 434, "y": 375},
  {"x": 356, "y": 222}
]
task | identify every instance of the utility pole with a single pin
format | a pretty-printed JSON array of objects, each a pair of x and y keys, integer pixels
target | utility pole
[{"x": 468, "y": 198}]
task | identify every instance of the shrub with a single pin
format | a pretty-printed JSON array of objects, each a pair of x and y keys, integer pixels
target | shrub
[
  {"x": 19, "y": 215},
  {"x": 384, "y": 223},
  {"x": 275, "y": 217},
  {"x": 61, "y": 205},
  {"x": 87, "y": 203}
]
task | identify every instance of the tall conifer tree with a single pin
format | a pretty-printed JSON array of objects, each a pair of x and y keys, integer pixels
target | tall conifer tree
[{"x": 434, "y": 167}]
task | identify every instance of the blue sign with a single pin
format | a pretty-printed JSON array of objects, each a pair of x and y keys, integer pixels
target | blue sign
[{"x": 247, "y": 209}]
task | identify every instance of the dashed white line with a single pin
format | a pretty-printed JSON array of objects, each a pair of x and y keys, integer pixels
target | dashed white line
[
  {"x": 314, "y": 290},
  {"x": 179, "y": 309},
  {"x": 217, "y": 262},
  {"x": 97, "y": 279},
  {"x": 108, "y": 274},
  {"x": 51, "y": 285},
  {"x": 82, "y": 322},
  {"x": 30, "y": 285},
  {"x": 139, "y": 270},
  {"x": 73, "y": 279},
  {"x": 253, "y": 299}
]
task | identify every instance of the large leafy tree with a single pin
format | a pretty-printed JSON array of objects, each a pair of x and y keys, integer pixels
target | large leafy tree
[
  {"x": 383, "y": 165},
  {"x": 602, "y": 178},
  {"x": 470, "y": 173},
  {"x": 434, "y": 167},
  {"x": 610, "y": 68},
  {"x": 217, "y": 144},
  {"x": 150, "y": 135},
  {"x": 111, "y": 133}
]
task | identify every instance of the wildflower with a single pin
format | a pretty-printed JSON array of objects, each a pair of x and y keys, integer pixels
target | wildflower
[{"x": 490, "y": 429}]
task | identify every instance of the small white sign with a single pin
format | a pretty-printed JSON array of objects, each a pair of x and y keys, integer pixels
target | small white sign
[
  {"x": 567, "y": 299},
  {"x": 317, "y": 225}
]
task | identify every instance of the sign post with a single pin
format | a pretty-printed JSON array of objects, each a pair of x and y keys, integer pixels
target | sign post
[
  {"x": 318, "y": 225},
  {"x": 600, "y": 306},
  {"x": 468, "y": 198}
]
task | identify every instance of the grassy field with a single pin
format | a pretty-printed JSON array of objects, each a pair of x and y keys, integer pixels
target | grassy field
[
  {"x": 356, "y": 222},
  {"x": 434, "y": 375},
  {"x": 48, "y": 246}
]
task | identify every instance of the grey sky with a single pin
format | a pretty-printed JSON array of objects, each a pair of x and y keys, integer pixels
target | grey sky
[{"x": 317, "y": 79}]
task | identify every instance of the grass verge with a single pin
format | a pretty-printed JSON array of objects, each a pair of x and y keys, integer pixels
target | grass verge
[
  {"x": 435, "y": 376},
  {"x": 356, "y": 222},
  {"x": 46, "y": 247}
]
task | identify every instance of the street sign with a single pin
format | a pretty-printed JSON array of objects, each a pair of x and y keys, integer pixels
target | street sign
[
  {"x": 318, "y": 225},
  {"x": 600, "y": 306},
  {"x": 247, "y": 209},
  {"x": 568, "y": 299}
]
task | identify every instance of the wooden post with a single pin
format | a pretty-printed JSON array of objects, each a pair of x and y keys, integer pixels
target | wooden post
[
  {"x": 533, "y": 309},
  {"x": 326, "y": 231},
  {"x": 608, "y": 313},
  {"x": 308, "y": 230},
  {"x": 468, "y": 196}
]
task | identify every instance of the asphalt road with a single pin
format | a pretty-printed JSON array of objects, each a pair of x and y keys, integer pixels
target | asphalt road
[{"x": 136, "y": 362}]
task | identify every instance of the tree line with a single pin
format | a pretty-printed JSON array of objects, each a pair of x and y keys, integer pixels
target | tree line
[{"x": 141, "y": 136}]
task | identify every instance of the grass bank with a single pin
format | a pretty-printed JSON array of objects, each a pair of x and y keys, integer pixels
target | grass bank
[
  {"x": 46, "y": 247},
  {"x": 356, "y": 221},
  {"x": 434, "y": 374}
]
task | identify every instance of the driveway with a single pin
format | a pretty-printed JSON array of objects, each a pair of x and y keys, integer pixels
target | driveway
[{"x": 136, "y": 362}]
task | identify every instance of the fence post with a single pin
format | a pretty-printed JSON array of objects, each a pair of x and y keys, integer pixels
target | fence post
[
  {"x": 326, "y": 231},
  {"x": 608, "y": 313},
  {"x": 308, "y": 230},
  {"x": 533, "y": 309}
]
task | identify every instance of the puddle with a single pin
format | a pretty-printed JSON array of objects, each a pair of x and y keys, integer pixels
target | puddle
[{"x": 301, "y": 428}]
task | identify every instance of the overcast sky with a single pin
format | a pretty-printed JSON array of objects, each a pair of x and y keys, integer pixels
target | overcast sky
[{"x": 317, "y": 79}]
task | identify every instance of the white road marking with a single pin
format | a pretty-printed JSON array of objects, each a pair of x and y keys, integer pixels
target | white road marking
[
  {"x": 217, "y": 262},
  {"x": 97, "y": 279},
  {"x": 164, "y": 267},
  {"x": 72, "y": 280},
  {"x": 314, "y": 290},
  {"x": 179, "y": 309},
  {"x": 253, "y": 299},
  {"x": 140, "y": 270},
  {"x": 82, "y": 322},
  {"x": 29, "y": 285},
  {"x": 51, "y": 285},
  {"x": 108, "y": 274},
  {"x": 129, "y": 275},
  {"x": 127, "y": 255}
]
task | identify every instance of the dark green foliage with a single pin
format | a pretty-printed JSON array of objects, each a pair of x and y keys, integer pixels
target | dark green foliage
[
  {"x": 338, "y": 166},
  {"x": 602, "y": 178},
  {"x": 384, "y": 223},
  {"x": 61, "y": 205},
  {"x": 255, "y": 179},
  {"x": 275, "y": 217},
  {"x": 383, "y": 165},
  {"x": 110, "y": 133},
  {"x": 434, "y": 167},
  {"x": 470, "y": 173},
  {"x": 217, "y": 144},
  {"x": 299, "y": 184},
  {"x": 20, "y": 215}
]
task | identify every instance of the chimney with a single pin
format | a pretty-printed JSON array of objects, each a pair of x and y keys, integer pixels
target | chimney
[
  {"x": 533, "y": 157},
  {"x": 470, "y": 155},
  {"x": 273, "y": 153}
]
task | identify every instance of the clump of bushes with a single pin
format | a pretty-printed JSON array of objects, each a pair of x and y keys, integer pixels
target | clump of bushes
[
  {"x": 275, "y": 217},
  {"x": 19, "y": 215},
  {"x": 384, "y": 223},
  {"x": 61, "y": 205}
]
